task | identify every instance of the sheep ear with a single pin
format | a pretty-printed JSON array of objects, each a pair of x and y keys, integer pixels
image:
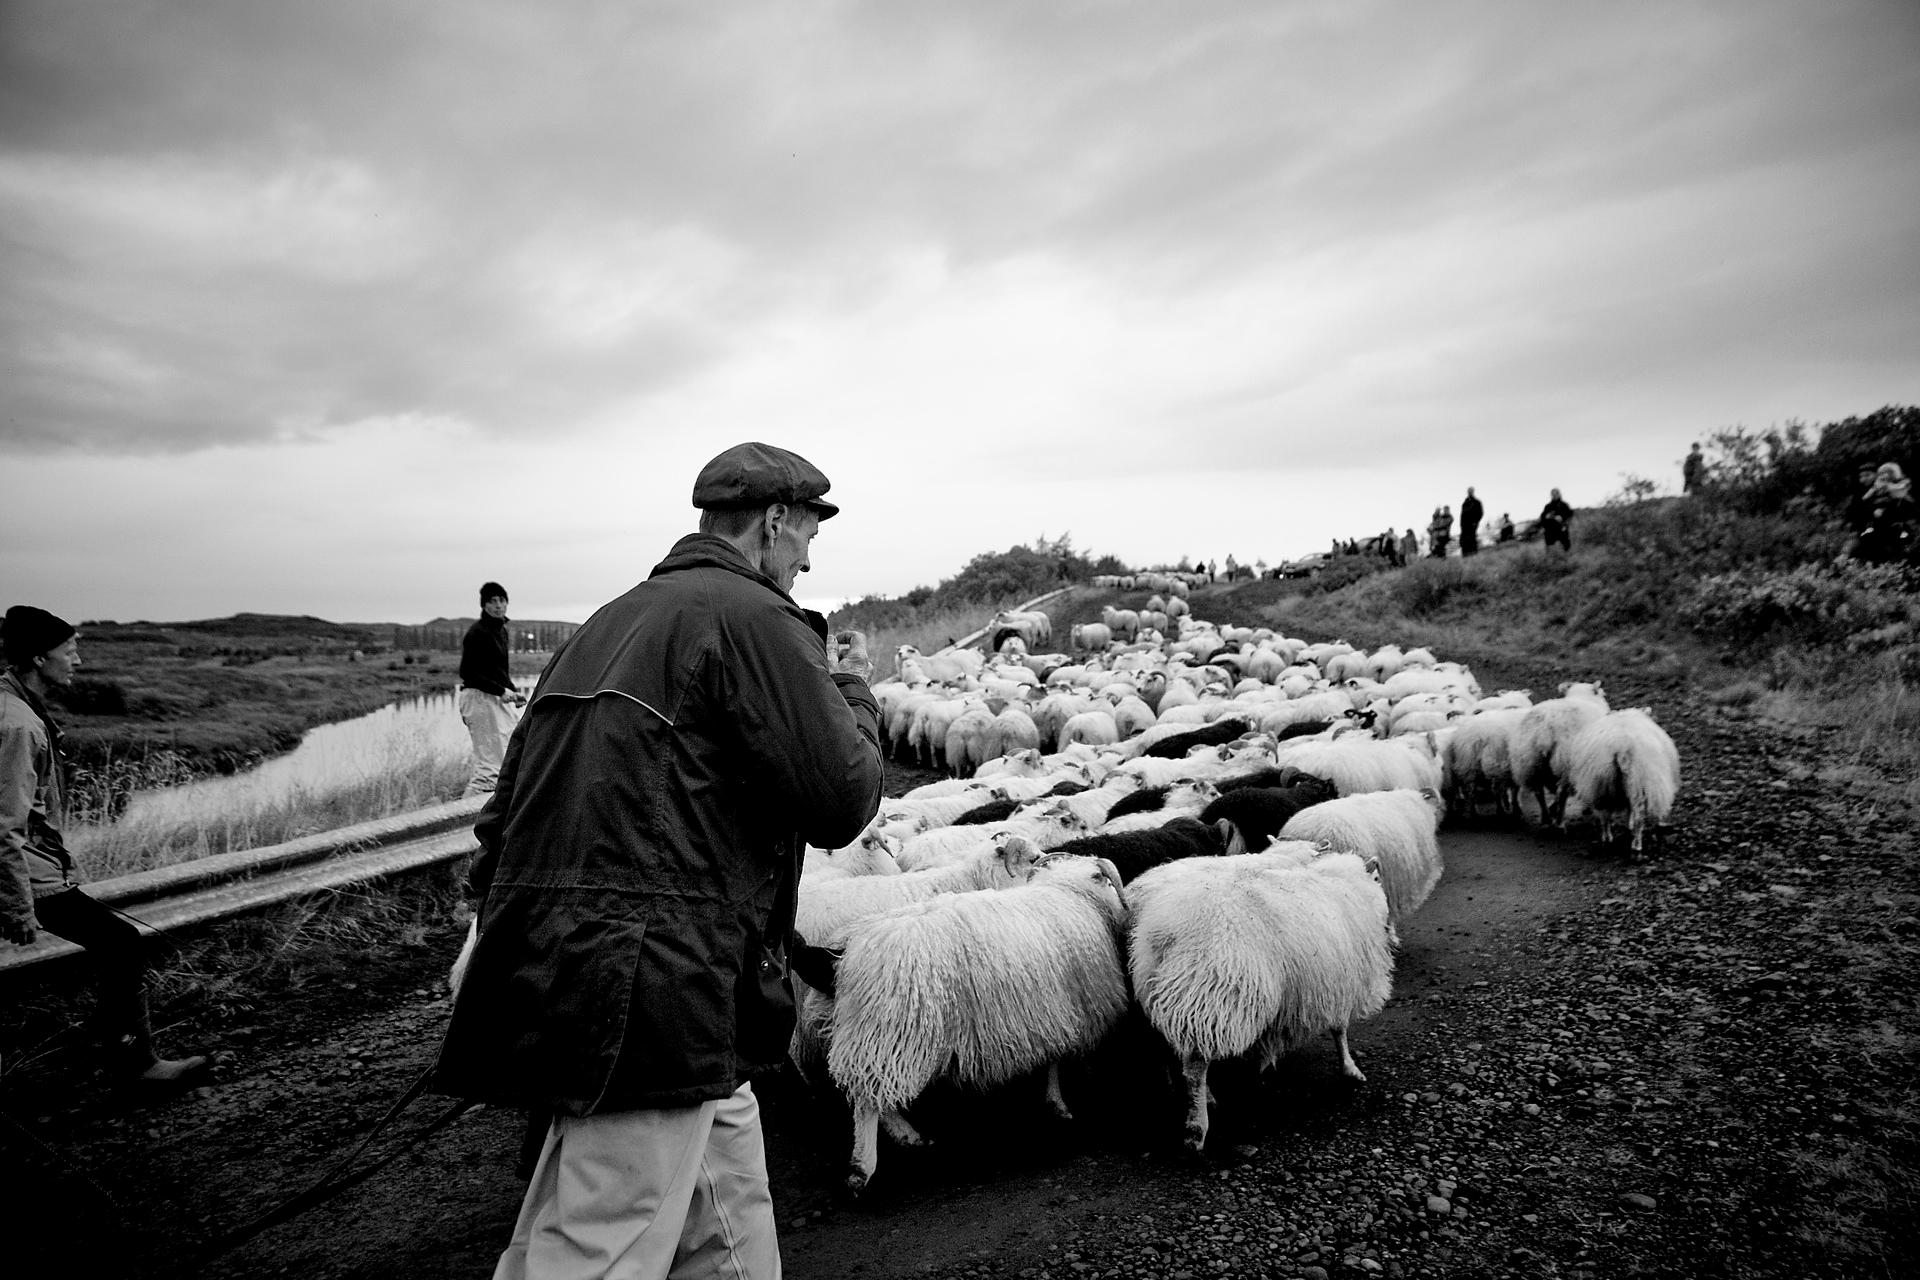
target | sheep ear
[{"x": 1230, "y": 838}]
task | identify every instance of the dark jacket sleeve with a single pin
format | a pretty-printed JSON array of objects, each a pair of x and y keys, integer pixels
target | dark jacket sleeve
[
  {"x": 813, "y": 737},
  {"x": 482, "y": 664}
]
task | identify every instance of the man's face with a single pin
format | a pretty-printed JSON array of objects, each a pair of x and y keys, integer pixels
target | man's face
[
  {"x": 787, "y": 558},
  {"x": 496, "y": 606},
  {"x": 58, "y": 666}
]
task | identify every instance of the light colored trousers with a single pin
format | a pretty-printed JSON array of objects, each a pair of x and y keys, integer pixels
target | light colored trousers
[
  {"x": 649, "y": 1195},
  {"x": 490, "y": 721}
]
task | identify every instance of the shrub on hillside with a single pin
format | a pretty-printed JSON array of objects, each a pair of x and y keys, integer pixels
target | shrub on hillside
[
  {"x": 1710, "y": 534},
  {"x": 1429, "y": 586},
  {"x": 1767, "y": 470},
  {"x": 1839, "y": 603},
  {"x": 1344, "y": 571}
]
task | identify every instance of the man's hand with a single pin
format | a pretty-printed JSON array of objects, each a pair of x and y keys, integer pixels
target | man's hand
[
  {"x": 847, "y": 655},
  {"x": 20, "y": 931}
]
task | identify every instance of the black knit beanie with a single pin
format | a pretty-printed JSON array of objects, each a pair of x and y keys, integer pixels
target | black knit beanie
[
  {"x": 29, "y": 632},
  {"x": 492, "y": 590}
]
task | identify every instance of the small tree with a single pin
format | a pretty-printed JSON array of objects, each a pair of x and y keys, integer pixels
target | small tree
[{"x": 1633, "y": 488}]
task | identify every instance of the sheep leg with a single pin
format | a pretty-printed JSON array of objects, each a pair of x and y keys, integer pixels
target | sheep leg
[
  {"x": 1560, "y": 797},
  {"x": 1347, "y": 1064},
  {"x": 1056, "y": 1099},
  {"x": 866, "y": 1146},
  {"x": 1195, "y": 1071},
  {"x": 899, "y": 1131}
]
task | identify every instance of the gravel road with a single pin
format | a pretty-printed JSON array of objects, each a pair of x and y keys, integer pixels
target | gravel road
[{"x": 1700, "y": 1065}]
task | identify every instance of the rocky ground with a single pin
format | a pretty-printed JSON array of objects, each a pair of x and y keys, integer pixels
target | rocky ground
[{"x": 1699, "y": 1064}]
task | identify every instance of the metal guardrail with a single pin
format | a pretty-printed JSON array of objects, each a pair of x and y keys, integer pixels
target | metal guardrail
[
  {"x": 975, "y": 637},
  {"x": 229, "y": 884}
]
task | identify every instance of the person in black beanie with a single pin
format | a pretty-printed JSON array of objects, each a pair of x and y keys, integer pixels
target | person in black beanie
[
  {"x": 487, "y": 695},
  {"x": 39, "y": 884}
]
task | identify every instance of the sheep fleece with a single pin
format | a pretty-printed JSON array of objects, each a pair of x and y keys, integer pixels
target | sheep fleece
[
  {"x": 993, "y": 983},
  {"x": 1258, "y": 950}
]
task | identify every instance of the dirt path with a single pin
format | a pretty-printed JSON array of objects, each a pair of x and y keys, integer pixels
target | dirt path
[{"x": 1003, "y": 1186}]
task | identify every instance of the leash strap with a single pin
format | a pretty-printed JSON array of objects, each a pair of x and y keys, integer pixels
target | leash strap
[{"x": 336, "y": 1180}]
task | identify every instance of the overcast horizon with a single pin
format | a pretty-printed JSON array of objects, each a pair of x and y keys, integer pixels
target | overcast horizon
[{"x": 343, "y": 309}]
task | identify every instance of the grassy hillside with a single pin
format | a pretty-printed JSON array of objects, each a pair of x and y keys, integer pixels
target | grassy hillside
[
  {"x": 1751, "y": 609},
  {"x": 157, "y": 703}
]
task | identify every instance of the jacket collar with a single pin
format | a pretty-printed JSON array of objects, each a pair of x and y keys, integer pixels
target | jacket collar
[
  {"x": 11, "y": 683},
  {"x": 711, "y": 551}
]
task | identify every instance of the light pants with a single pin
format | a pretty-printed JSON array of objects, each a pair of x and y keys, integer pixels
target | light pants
[
  {"x": 647, "y": 1195},
  {"x": 490, "y": 721}
]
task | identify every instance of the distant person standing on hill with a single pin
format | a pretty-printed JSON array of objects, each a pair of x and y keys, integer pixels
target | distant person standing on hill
[
  {"x": 39, "y": 886},
  {"x": 1693, "y": 470},
  {"x": 1409, "y": 546},
  {"x": 1556, "y": 520},
  {"x": 487, "y": 695},
  {"x": 1505, "y": 533},
  {"x": 1440, "y": 533},
  {"x": 1889, "y": 535},
  {"x": 1470, "y": 513}
]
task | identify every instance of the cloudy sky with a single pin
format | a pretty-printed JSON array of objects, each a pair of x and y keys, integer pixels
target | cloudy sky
[{"x": 342, "y": 308}]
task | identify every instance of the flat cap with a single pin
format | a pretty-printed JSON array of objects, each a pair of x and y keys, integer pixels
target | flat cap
[{"x": 758, "y": 475}]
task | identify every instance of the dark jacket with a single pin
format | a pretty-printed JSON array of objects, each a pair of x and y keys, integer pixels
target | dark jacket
[
  {"x": 483, "y": 657},
  {"x": 1556, "y": 512},
  {"x": 641, "y": 854},
  {"x": 1470, "y": 512}
]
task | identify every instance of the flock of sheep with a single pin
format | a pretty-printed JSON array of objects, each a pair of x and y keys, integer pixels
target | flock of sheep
[{"x": 1220, "y": 826}]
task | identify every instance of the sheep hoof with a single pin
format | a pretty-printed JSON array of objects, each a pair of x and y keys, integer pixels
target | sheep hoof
[
  {"x": 1354, "y": 1073},
  {"x": 1196, "y": 1138},
  {"x": 856, "y": 1182}
]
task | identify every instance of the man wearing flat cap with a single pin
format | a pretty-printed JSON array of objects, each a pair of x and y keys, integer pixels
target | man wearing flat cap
[
  {"x": 639, "y": 867},
  {"x": 39, "y": 884}
]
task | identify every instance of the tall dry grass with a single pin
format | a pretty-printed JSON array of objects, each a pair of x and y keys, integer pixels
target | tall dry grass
[{"x": 108, "y": 848}]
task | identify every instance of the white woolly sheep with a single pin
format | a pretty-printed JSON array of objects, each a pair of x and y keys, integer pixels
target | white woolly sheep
[
  {"x": 1257, "y": 951},
  {"x": 1479, "y": 758},
  {"x": 1091, "y": 635},
  {"x": 965, "y": 746},
  {"x": 981, "y": 986},
  {"x": 1022, "y": 762},
  {"x": 875, "y": 853},
  {"x": 1625, "y": 763},
  {"x": 1541, "y": 746},
  {"x": 1091, "y": 726},
  {"x": 830, "y": 906},
  {"x": 1398, "y": 830},
  {"x": 1045, "y": 825},
  {"x": 1359, "y": 762}
]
